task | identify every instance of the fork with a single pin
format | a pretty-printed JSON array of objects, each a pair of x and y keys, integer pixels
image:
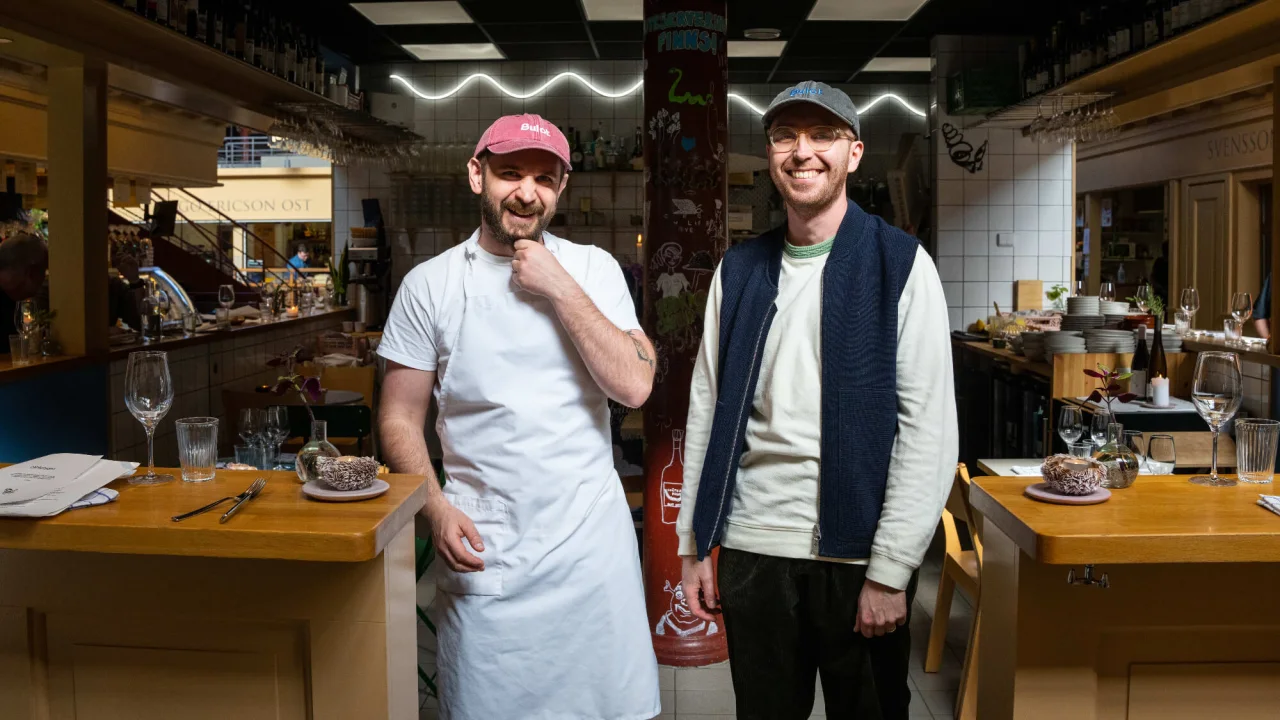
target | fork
[{"x": 253, "y": 490}]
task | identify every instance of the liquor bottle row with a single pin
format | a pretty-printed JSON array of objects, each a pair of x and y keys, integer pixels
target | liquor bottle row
[
  {"x": 1095, "y": 34},
  {"x": 604, "y": 153},
  {"x": 248, "y": 30}
]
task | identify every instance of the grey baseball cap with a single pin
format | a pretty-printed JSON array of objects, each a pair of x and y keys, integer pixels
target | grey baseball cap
[{"x": 821, "y": 94}]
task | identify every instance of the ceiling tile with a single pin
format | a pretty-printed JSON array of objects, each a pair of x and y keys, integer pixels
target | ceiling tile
[
  {"x": 618, "y": 31},
  {"x": 435, "y": 12},
  {"x": 893, "y": 78},
  {"x": 435, "y": 34},
  {"x": 898, "y": 64},
  {"x": 614, "y": 9},
  {"x": 548, "y": 32},
  {"x": 549, "y": 51},
  {"x": 756, "y": 48},
  {"x": 455, "y": 51},
  {"x": 523, "y": 11},
  {"x": 865, "y": 9}
]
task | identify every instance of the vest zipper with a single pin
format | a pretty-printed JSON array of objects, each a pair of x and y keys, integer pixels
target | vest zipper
[
  {"x": 817, "y": 528},
  {"x": 746, "y": 399}
]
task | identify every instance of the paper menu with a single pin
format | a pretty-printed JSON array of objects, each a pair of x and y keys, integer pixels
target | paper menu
[
  {"x": 98, "y": 476},
  {"x": 41, "y": 476}
]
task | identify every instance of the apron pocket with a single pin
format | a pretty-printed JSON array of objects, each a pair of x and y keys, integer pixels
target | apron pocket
[{"x": 490, "y": 519}]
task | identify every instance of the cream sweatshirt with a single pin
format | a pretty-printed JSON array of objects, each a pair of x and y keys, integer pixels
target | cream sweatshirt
[{"x": 775, "y": 499}]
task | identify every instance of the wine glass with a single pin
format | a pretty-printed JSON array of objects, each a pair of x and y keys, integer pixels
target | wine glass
[
  {"x": 1098, "y": 427},
  {"x": 226, "y": 296},
  {"x": 252, "y": 421},
  {"x": 1161, "y": 455},
  {"x": 1241, "y": 306},
  {"x": 1216, "y": 393},
  {"x": 276, "y": 431},
  {"x": 148, "y": 393},
  {"x": 1143, "y": 297},
  {"x": 1107, "y": 291},
  {"x": 1190, "y": 302},
  {"x": 1070, "y": 424},
  {"x": 1080, "y": 288}
]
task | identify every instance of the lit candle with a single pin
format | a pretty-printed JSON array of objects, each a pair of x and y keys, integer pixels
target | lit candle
[
  {"x": 292, "y": 311},
  {"x": 1159, "y": 390}
]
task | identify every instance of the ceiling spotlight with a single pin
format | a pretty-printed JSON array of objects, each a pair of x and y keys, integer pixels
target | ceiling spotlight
[
  {"x": 5, "y": 40},
  {"x": 762, "y": 33}
]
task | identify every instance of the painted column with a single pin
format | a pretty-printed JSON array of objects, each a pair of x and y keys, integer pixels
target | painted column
[{"x": 686, "y": 71}]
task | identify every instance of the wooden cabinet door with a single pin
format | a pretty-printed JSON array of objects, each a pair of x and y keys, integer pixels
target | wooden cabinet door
[{"x": 1205, "y": 251}]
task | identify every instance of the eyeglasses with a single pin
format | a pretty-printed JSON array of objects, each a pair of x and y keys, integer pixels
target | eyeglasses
[{"x": 821, "y": 138}]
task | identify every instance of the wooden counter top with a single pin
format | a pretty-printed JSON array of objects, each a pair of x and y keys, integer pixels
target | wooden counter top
[
  {"x": 1252, "y": 353},
  {"x": 1017, "y": 362},
  {"x": 1161, "y": 519},
  {"x": 280, "y": 524}
]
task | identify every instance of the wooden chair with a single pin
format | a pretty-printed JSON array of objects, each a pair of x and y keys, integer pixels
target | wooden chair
[{"x": 960, "y": 568}]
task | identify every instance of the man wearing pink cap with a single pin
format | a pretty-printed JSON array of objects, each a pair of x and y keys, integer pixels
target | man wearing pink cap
[{"x": 539, "y": 604}]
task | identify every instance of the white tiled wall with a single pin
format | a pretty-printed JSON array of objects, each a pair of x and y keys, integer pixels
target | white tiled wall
[{"x": 1011, "y": 219}]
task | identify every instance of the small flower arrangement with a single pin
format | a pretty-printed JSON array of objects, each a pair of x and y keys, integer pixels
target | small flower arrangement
[
  {"x": 308, "y": 388},
  {"x": 1109, "y": 391}
]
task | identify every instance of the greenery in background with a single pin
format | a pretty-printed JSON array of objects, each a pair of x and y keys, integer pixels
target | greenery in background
[
  {"x": 1057, "y": 295},
  {"x": 1154, "y": 303},
  {"x": 339, "y": 274}
]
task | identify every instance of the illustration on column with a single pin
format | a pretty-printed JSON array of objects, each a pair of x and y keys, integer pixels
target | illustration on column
[
  {"x": 679, "y": 619},
  {"x": 672, "y": 479}
]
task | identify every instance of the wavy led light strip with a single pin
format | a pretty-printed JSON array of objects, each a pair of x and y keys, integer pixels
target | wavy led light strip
[{"x": 606, "y": 93}]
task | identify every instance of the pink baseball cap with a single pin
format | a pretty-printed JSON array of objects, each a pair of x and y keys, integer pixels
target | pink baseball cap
[{"x": 511, "y": 133}]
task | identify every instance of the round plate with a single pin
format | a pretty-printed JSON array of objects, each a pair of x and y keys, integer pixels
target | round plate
[
  {"x": 316, "y": 491},
  {"x": 1040, "y": 491},
  {"x": 1153, "y": 406}
]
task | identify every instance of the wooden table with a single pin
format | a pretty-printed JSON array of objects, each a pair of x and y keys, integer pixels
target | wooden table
[
  {"x": 292, "y": 609},
  {"x": 1186, "y": 628},
  {"x": 1004, "y": 466}
]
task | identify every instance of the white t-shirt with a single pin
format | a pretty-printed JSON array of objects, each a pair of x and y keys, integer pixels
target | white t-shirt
[{"x": 427, "y": 314}]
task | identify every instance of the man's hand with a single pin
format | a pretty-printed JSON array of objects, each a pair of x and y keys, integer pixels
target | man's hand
[
  {"x": 700, "y": 587},
  {"x": 535, "y": 269},
  {"x": 448, "y": 526},
  {"x": 881, "y": 609}
]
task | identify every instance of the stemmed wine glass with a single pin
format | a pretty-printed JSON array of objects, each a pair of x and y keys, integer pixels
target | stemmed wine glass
[
  {"x": 1070, "y": 424},
  {"x": 1107, "y": 291},
  {"x": 226, "y": 296},
  {"x": 1098, "y": 427},
  {"x": 252, "y": 423},
  {"x": 1216, "y": 393},
  {"x": 148, "y": 393},
  {"x": 1241, "y": 306},
  {"x": 1190, "y": 302},
  {"x": 1143, "y": 297},
  {"x": 276, "y": 431}
]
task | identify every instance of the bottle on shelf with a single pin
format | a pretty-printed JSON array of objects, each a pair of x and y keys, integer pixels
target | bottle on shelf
[{"x": 1159, "y": 365}]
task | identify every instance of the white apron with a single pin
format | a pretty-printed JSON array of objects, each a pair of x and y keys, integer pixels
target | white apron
[{"x": 555, "y": 625}]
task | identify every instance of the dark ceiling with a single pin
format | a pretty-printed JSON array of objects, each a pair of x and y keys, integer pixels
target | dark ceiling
[{"x": 558, "y": 30}]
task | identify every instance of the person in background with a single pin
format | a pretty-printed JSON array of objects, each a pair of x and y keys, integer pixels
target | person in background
[
  {"x": 822, "y": 436},
  {"x": 1262, "y": 310},
  {"x": 1160, "y": 274},
  {"x": 523, "y": 338},
  {"x": 24, "y": 262},
  {"x": 124, "y": 292},
  {"x": 299, "y": 260}
]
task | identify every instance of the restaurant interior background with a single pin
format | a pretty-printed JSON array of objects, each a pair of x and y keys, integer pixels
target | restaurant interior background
[{"x": 1041, "y": 153}]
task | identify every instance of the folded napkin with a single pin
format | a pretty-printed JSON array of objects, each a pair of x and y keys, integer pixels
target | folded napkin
[
  {"x": 1270, "y": 502},
  {"x": 1025, "y": 470},
  {"x": 101, "y": 496}
]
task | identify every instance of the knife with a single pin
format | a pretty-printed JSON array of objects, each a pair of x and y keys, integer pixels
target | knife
[{"x": 251, "y": 493}]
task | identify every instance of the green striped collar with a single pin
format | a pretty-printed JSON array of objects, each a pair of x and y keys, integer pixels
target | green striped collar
[{"x": 809, "y": 251}]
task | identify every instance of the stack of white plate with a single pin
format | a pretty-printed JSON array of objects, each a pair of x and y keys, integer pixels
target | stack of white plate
[
  {"x": 1084, "y": 305},
  {"x": 1112, "y": 320},
  {"x": 1172, "y": 343},
  {"x": 1113, "y": 307},
  {"x": 1071, "y": 321},
  {"x": 1063, "y": 341},
  {"x": 1109, "y": 341},
  {"x": 1033, "y": 344}
]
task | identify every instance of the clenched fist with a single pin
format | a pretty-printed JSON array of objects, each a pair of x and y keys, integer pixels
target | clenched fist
[{"x": 535, "y": 269}]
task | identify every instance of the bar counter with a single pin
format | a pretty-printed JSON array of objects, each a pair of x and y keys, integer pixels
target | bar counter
[
  {"x": 62, "y": 363},
  {"x": 1186, "y": 627},
  {"x": 292, "y": 609}
]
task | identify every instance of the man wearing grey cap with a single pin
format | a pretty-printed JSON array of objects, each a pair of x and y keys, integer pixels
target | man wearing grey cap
[{"x": 822, "y": 440}]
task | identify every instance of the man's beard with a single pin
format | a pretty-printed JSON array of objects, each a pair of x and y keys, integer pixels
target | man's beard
[
  {"x": 491, "y": 210},
  {"x": 812, "y": 203}
]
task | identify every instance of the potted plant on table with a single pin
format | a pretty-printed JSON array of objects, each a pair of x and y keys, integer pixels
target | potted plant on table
[
  {"x": 1120, "y": 462},
  {"x": 338, "y": 274},
  {"x": 309, "y": 391}
]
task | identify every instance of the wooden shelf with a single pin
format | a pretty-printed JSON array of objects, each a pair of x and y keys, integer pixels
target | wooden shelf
[
  {"x": 152, "y": 61},
  {"x": 1242, "y": 36}
]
